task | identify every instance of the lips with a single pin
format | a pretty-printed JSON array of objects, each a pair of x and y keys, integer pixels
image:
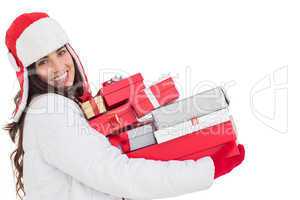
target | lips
[
  {"x": 61, "y": 79},
  {"x": 63, "y": 76}
]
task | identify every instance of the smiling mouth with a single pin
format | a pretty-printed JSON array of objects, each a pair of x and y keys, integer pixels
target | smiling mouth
[{"x": 61, "y": 77}]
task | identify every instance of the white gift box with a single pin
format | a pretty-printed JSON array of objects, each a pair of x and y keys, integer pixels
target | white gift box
[
  {"x": 134, "y": 139},
  {"x": 196, "y": 106},
  {"x": 192, "y": 125}
]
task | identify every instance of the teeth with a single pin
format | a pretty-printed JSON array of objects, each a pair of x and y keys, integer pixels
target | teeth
[{"x": 61, "y": 77}]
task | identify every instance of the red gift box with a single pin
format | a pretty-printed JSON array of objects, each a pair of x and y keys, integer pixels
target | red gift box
[
  {"x": 192, "y": 146},
  {"x": 114, "y": 120},
  {"x": 157, "y": 95},
  {"x": 116, "y": 92},
  {"x": 209, "y": 152}
]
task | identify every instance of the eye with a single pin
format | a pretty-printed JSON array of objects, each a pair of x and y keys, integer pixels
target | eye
[
  {"x": 62, "y": 52},
  {"x": 42, "y": 62}
]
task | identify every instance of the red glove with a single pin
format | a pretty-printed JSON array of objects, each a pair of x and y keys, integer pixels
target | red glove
[{"x": 224, "y": 165}]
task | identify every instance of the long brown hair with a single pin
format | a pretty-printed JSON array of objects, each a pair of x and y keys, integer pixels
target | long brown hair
[{"x": 15, "y": 129}]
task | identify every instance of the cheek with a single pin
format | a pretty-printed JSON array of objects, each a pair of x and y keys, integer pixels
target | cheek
[
  {"x": 43, "y": 73},
  {"x": 70, "y": 64},
  {"x": 67, "y": 58},
  {"x": 68, "y": 61},
  {"x": 72, "y": 74}
]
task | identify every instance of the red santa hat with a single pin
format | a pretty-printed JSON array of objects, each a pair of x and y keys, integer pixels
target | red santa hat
[{"x": 30, "y": 37}]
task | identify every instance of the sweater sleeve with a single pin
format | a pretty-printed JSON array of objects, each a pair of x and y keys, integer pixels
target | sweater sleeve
[{"x": 67, "y": 142}]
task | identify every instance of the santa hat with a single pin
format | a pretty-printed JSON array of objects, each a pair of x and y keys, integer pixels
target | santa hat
[{"x": 30, "y": 37}]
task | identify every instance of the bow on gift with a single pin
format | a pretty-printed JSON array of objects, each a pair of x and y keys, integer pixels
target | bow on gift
[
  {"x": 92, "y": 106},
  {"x": 115, "y": 122},
  {"x": 85, "y": 96},
  {"x": 114, "y": 79}
]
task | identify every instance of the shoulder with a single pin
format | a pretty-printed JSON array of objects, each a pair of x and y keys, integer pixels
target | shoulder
[
  {"x": 52, "y": 103},
  {"x": 48, "y": 97}
]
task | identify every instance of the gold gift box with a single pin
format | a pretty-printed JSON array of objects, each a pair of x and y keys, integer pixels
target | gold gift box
[{"x": 88, "y": 108}]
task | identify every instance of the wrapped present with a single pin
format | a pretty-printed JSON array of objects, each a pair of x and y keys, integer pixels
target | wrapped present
[
  {"x": 192, "y": 125},
  {"x": 210, "y": 151},
  {"x": 115, "y": 120},
  {"x": 93, "y": 107},
  {"x": 134, "y": 139},
  {"x": 155, "y": 96},
  {"x": 87, "y": 95},
  {"x": 117, "y": 91},
  {"x": 196, "y": 106},
  {"x": 192, "y": 146}
]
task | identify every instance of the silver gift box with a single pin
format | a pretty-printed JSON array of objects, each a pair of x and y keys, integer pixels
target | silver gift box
[
  {"x": 195, "y": 106},
  {"x": 141, "y": 137}
]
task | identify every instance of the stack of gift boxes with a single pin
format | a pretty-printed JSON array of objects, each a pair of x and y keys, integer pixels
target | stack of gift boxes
[{"x": 151, "y": 123}]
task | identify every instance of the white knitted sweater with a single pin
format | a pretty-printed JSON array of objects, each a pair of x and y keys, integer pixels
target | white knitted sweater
[{"x": 66, "y": 159}]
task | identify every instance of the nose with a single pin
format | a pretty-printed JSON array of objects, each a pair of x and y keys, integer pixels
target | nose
[{"x": 57, "y": 67}]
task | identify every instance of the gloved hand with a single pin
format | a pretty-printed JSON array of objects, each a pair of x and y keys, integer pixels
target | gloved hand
[{"x": 224, "y": 165}]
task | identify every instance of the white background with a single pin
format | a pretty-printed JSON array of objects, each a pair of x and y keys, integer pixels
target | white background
[{"x": 252, "y": 48}]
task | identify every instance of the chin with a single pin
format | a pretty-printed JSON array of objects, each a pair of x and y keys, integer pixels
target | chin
[
  {"x": 63, "y": 85},
  {"x": 69, "y": 84}
]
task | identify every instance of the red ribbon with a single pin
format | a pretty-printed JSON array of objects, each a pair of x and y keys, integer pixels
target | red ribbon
[
  {"x": 121, "y": 140},
  {"x": 94, "y": 106}
]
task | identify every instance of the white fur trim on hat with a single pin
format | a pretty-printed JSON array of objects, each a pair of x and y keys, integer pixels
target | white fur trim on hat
[
  {"x": 24, "y": 97},
  {"x": 39, "y": 39},
  {"x": 13, "y": 62}
]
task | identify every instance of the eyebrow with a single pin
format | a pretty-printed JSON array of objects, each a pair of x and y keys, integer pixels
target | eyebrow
[
  {"x": 57, "y": 50},
  {"x": 60, "y": 48}
]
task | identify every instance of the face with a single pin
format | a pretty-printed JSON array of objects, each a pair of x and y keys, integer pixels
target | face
[{"x": 57, "y": 68}]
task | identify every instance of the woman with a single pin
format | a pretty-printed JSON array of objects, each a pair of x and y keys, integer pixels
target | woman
[{"x": 58, "y": 155}]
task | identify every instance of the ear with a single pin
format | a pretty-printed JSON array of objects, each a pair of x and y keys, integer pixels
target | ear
[{"x": 13, "y": 62}]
